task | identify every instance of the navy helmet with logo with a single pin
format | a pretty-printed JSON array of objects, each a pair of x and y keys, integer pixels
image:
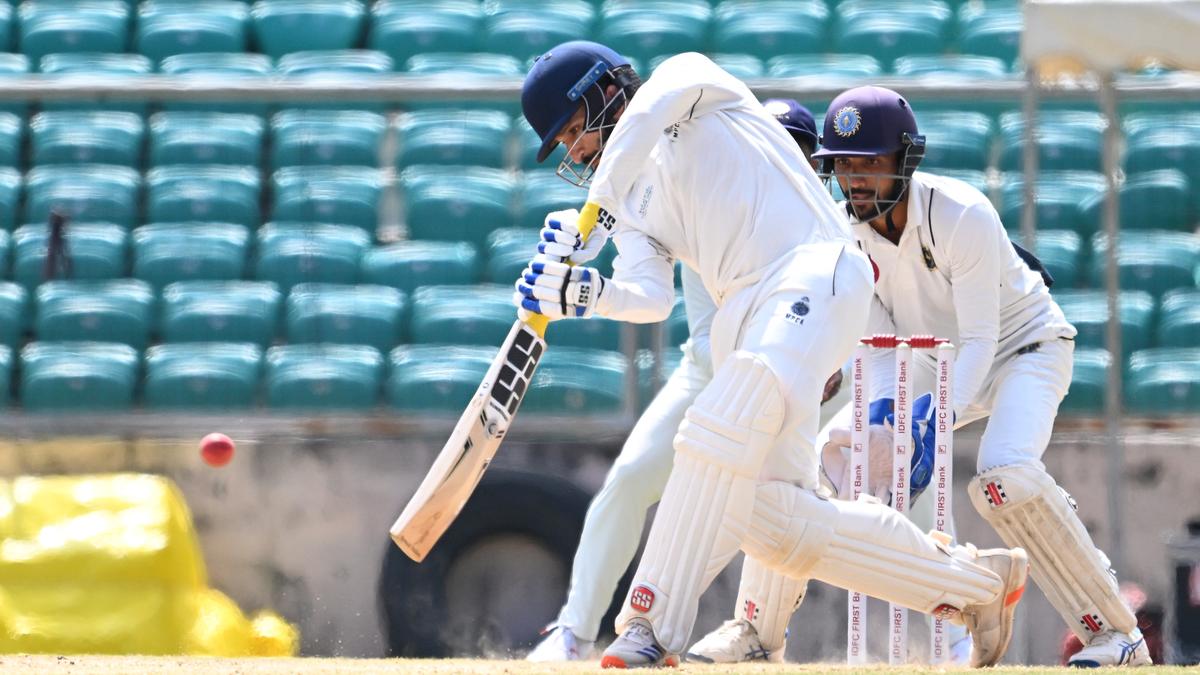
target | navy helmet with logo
[
  {"x": 870, "y": 121},
  {"x": 796, "y": 119},
  {"x": 568, "y": 76}
]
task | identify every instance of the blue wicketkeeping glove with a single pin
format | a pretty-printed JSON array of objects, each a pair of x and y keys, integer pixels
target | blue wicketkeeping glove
[{"x": 924, "y": 431}]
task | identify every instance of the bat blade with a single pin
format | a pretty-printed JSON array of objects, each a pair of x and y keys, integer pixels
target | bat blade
[{"x": 463, "y": 460}]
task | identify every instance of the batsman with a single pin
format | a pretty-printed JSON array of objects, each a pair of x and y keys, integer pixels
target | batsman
[{"x": 690, "y": 166}]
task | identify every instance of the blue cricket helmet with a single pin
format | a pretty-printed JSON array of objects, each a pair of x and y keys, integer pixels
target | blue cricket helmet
[
  {"x": 869, "y": 121},
  {"x": 559, "y": 82},
  {"x": 795, "y": 118}
]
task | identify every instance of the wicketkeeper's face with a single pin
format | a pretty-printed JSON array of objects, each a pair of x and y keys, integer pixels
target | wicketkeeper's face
[{"x": 867, "y": 182}]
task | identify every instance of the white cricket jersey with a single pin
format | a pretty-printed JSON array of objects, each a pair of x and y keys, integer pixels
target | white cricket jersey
[
  {"x": 700, "y": 310},
  {"x": 956, "y": 275},
  {"x": 696, "y": 169}
]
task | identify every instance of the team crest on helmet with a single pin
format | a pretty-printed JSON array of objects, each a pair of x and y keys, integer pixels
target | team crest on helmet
[{"x": 847, "y": 121}]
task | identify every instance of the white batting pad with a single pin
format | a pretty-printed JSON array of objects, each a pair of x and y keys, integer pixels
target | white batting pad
[
  {"x": 865, "y": 546},
  {"x": 767, "y": 599},
  {"x": 1028, "y": 509},
  {"x": 709, "y": 498}
]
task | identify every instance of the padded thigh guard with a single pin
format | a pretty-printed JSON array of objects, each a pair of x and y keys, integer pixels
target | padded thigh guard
[
  {"x": 1028, "y": 509},
  {"x": 709, "y": 498}
]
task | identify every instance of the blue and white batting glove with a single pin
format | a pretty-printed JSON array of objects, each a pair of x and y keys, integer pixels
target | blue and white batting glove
[
  {"x": 557, "y": 290},
  {"x": 560, "y": 238}
]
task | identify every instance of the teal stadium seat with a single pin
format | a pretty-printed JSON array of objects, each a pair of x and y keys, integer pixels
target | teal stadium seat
[
  {"x": 466, "y": 67},
  {"x": 205, "y": 138},
  {"x": 361, "y": 314},
  {"x": 334, "y": 62},
  {"x": 887, "y": 30},
  {"x": 335, "y": 378},
  {"x": 211, "y": 193},
  {"x": 477, "y": 315},
  {"x": 83, "y": 193},
  {"x": 973, "y": 177},
  {"x": 409, "y": 264},
  {"x": 286, "y": 26},
  {"x": 11, "y": 183},
  {"x": 1060, "y": 251},
  {"x": 14, "y": 313},
  {"x": 991, "y": 29},
  {"x": 55, "y": 27},
  {"x": 97, "y": 67},
  {"x": 644, "y": 30},
  {"x": 226, "y": 65},
  {"x": 956, "y": 140},
  {"x": 79, "y": 137},
  {"x": 164, "y": 253},
  {"x": 405, "y": 28},
  {"x": 436, "y": 378},
  {"x": 528, "y": 144},
  {"x": 169, "y": 27},
  {"x": 767, "y": 28},
  {"x": 1153, "y": 261},
  {"x": 1161, "y": 140},
  {"x": 202, "y": 376},
  {"x": 1180, "y": 322},
  {"x": 10, "y": 65},
  {"x": 591, "y": 333},
  {"x": 543, "y": 191},
  {"x": 532, "y": 32},
  {"x": 98, "y": 251},
  {"x": 677, "y": 325},
  {"x": 337, "y": 195},
  {"x": 508, "y": 252},
  {"x": 741, "y": 66},
  {"x": 118, "y": 310},
  {"x": 457, "y": 203},
  {"x": 847, "y": 66},
  {"x": 294, "y": 253},
  {"x": 78, "y": 376},
  {"x": 943, "y": 66},
  {"x": 1164, "y": 381},
  {"x": 221, "y": 311},
  {"x": 7, "y": 24},
  {"x": 12, "y": 137},
  {"x": 1066, "y": 140},
  {"x": 475, "y": 137},
  {"x": 575, "y": 381},
  {"x": 334, "y": 137},
  {"x": 1089, "y": 382},
  {"x": 1088, "y": 312},
  {"x": 1150, "y": 200},
  {"x": 1061, "y": 197}
]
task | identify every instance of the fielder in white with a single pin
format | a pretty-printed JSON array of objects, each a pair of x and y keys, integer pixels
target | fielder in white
[
  {"x": 691, "y": 166},
  {"x": 612, "y": 528},
  {"x": 946, "y": 267}
]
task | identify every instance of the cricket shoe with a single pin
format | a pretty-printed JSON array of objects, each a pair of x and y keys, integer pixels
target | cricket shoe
[
  {"x": 561, "y": 644},
  {"x": 1113, "y": 648},
  {"x": 734, "y": 641},
  {"x": 637, "y": 648},
  {"x": 991, "y": 624}
]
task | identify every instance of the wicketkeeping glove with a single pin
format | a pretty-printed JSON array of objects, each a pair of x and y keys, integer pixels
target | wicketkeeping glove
[
  {"x": 557, "y": 290},
  {"x": 560, "y": 238}
]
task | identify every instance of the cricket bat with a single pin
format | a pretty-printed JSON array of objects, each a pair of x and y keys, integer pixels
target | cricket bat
[{"x": 460, "y": 465}]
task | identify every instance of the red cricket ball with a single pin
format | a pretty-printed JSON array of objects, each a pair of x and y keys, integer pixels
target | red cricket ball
[{"x": 216, "y": 449}]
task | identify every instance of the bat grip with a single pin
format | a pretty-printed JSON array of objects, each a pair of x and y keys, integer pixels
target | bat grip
[{"x": 587, "y": 221}]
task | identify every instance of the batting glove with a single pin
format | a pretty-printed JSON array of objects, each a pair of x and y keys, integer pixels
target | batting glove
[
  {"x": 557, "y": 290},
  {"x": 560, "y": 238}
]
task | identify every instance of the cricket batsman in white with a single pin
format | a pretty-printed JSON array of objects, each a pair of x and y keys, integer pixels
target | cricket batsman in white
[
  {"x": 946, "y": 267},
  {"x": 690, "y": 166}
]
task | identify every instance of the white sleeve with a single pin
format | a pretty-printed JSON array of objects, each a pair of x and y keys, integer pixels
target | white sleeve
[
  {"x": 682, "y": 87},
  {"x": 975, "y": 278},
  {"x": 882, "y": 361},
  {"x": 700, "y": 309},
  {"x": 642, "y": 289}
]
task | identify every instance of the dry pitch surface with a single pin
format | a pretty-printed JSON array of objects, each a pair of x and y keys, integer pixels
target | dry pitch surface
[{"x": 139, "y": 665}]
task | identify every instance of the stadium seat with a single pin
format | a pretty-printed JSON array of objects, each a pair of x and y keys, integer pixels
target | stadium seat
[
  {"x": 677, "y": 325},
  {"x": 1066, "y": 140},
  {"x": 97, "y": 67},
  {"x": 83, "y": 193},
  {"x": 476, "y": 315},
  {"x": 118, "y": 310},
  {"x": 644, "y": 30},
  {"x": 169, "y": 27},
  {"x": 213, "y": 192},
  {"x": 527, "y": 34},
  {"x": 7, "y": 21},
  {"x": 1089, "y": 382},
  {"x": 1059, "y": 251},
  {"x": 975, "y": 178},
  {"x": 202, "y": 376},
  {"x": 528, "y": 144},
  {"x": 286, "y": 26},
  {"x": 361, "y": 314},
  {"x": 293, "y": 253},
  {"x": 232, "y": 65},
  {"x": 436, "y": 378},
  {"x": 943, "y": 66},
  {"x": 1061, "y": 198},
  {"x": 1180, "y": 322},
  {"x": 12, "y": 136},
  {"x": 508, "y": 252},
  {"x": 457, "y": 203},
  {"x": 323, "y": 377},
  {"x": 334, "y": 62},
  {"x": 1164, "y": 381},
  {"x": 50, "y": 27},
  {"x": 336, "y": 195},
  {"x": 334, "y": 137},
  {"x": 575, "y": 381},
  {"x": 1150, "y": 200},
  {"x": 10, "y": 195},
  {"x": 765, "y": 29},
  {"x": 956, "y": 140},
  {"x": 543, "y": 191},
  {"x": 14, "y": 313},
  {"x": 205, "y": 138},
  {"x": 405, "y": 29},
  {"x": 591, "y": 333},
  {"x": 221, "y": 311},
  {"x": 464, "y": 67},
  {"x": 78, "y": 376},
  {"x": 14, "y": 64},
  {"x": 990, "y": 29},
  {"x": 409, "y": 264},
  {"x": 1153, "y": 261},
  {"x": 1161, "y": 141},
  {"x": 79, "y": 137},
  {"x": 887, "y": 31},
  {"x": 846, "y": 66},
  {"x": 1088, "y": 312},
  {"x": 164, "y": 253},
  {"x": 741, "y": 66},
  {"x": 98, "y": 251},
  {"x": 475, "y": 137}
]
